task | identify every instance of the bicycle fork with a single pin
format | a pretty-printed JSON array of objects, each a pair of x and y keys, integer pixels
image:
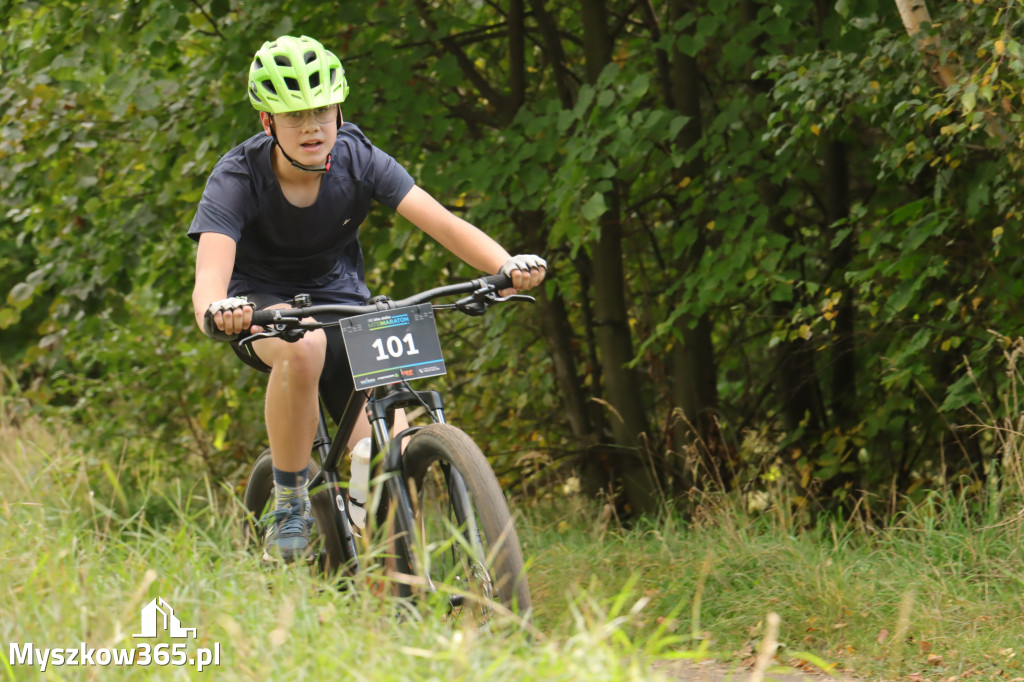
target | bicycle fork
[
  {"x": 377, "y": 409},
  {"x": 397, "y": 487}
]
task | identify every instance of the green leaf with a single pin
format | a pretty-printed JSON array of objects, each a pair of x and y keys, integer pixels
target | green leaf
[
  {"x": 969, "y": 99},
  {"x": 594, "y": 207}
]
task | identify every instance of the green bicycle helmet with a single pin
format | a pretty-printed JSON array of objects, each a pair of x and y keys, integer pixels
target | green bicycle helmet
[{"x": 293, "y": 74}]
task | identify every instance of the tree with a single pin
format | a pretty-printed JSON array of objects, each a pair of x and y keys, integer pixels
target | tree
[{"x": 763, "y": 217}]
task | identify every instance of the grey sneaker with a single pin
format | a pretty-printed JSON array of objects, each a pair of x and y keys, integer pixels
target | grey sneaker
[{"x": 287, "y": 539}]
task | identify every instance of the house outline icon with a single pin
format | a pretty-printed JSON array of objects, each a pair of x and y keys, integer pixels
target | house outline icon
[{"x": 151, "y": 621}]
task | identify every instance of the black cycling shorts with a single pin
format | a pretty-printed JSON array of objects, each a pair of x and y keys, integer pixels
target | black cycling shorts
[{"x": 336, "y": 385}]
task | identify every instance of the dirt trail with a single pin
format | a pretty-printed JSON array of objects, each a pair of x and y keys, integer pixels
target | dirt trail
[{"x": 711, "y": 671}]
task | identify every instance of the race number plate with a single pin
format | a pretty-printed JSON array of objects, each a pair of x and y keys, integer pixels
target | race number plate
[{"x": 392, "y": 345}]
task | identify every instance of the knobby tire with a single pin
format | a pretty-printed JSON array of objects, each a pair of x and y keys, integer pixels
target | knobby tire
[{"x": 426, "y": 456}]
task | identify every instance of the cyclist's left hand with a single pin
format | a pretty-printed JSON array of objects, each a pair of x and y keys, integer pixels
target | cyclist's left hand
[{"x": 526, "y": 271}]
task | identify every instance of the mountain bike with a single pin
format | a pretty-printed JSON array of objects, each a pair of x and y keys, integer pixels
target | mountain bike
[{"x": 436, "y": 503}]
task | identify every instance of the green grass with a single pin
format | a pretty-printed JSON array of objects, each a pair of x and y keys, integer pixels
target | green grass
[
  {"x": 86, "y": 541},
  {"x": 85, "y": 545},
  {"x": 933, "y": 595}
]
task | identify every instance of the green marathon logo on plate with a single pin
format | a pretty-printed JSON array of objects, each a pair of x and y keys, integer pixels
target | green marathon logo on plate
[{"x": 392, "y": 345}]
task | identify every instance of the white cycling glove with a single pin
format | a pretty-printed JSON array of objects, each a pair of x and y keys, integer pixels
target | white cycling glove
[
  {"x": 523, "y": 262},
  {"x": 222, "y": 306}
]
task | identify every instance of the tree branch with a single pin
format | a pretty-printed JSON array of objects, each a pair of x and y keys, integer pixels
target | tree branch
[
  {"x": 465, "y": 63},
  {"x": 469, "y": 37},
  {"x": 661, "y": 55},
  {"x": 553, "y": 44},
  {"x": 210, "y": 19},
  {"x": 623, "y": 20}
]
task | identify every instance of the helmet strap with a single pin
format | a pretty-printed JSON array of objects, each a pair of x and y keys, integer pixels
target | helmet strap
[{"x": 326, "y": 167}]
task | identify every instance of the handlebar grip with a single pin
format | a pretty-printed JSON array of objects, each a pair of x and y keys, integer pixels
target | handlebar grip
[
  {"x": 499, "y": 281},
  {"x": 263, "y": 318}
]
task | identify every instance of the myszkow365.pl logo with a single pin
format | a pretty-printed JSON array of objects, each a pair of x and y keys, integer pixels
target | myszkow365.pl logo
[{"x": 157, "y": 617}]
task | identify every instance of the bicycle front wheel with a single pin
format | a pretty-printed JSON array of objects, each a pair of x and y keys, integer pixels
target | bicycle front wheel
[{"x": 464, "y": 541}]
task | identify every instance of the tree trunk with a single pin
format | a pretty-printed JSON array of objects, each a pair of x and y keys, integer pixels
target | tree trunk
[
  {"x": 516, "y": 54},
  {"x": 843, "y": 400},
  {"x": 615, "y": 346},
  {"x": 694, "y": 372},
  {"x": 797, "y": 387},
  {"x": 914, "y": 13},
  {"x": 559, "y": 336},
  {"x": 614, "y": 338},
  {"x": 943, "y": 66},
  {"x": 844, "y": 371},
  {"x": 796, "y": 381}
]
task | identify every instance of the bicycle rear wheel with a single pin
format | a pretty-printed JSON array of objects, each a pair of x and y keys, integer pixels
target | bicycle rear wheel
[
  {"x": 259, "y": 500},
  {"x": 463, "y": 542}
]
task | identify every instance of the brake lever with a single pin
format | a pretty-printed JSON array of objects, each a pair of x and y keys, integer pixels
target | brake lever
[
  {"x": 478, "y": 302},
  {"x": 256, "y": 337},
  {"x": 515, "y": 297},
  {"x": 290, "y": 335}
]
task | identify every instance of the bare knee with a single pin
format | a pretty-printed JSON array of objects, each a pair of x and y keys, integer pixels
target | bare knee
[
  {"x": 305, "y": 357},
  {"x": 300, "y": 362}
]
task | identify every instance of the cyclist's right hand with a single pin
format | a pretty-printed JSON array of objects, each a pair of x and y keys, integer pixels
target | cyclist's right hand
[
  {"x": 526, "y": 271},
  {"x": 226, "y": 318}
]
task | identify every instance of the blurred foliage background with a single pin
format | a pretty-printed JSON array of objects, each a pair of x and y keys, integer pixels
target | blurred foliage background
[{"x": 784, "y": 237}]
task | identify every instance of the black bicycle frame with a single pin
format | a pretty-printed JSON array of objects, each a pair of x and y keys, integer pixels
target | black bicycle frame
[{"x": 379, "y": 404}]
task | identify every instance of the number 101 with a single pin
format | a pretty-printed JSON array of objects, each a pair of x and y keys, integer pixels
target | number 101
[{"x": 394, "y": 347}]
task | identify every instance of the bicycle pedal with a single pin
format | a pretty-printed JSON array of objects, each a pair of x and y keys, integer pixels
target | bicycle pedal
[{"x": 273, "y": 559}]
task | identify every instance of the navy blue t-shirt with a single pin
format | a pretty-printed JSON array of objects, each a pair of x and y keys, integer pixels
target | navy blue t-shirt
[{"x": 286, "y": 250}]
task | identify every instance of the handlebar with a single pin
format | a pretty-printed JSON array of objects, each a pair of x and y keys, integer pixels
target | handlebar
[{"x": 482, "y": 293}]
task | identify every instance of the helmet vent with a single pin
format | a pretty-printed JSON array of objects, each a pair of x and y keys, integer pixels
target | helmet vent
[{"x": 293, "y": 74}]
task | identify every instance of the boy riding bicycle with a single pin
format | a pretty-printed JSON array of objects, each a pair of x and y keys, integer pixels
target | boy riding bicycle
[{"x": 279, "y": 216}]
